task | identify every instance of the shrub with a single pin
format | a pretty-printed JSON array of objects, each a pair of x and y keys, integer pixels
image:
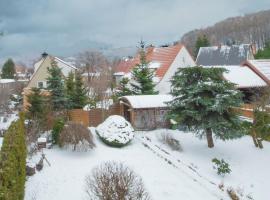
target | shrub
[
  {"x": 76, "y": 137},
  {"x": 115, "y": 131},
  {"x": 169, "y": 140},
  {"x": 58, "y": 125},
  {"x": 114, "y": 181},
  {"x": 222, "y": 167},
  {"x": 13, "y": 162}
]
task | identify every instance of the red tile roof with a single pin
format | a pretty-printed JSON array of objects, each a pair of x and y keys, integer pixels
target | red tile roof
[{"x": 163, "y": 55}]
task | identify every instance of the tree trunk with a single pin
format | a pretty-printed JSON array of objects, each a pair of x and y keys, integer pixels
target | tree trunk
[
  {"x": 209, "y": 137},
  {"x": 255, "y": 141},
  {"x": 260, "y": 143}
]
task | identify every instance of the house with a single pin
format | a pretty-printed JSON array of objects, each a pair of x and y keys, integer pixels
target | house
[
  {"x": 225, "y": 55},
  {"x": 245, "y": 79},
  {"x": 261, "y": 67},
  {"x": 40, "y": 75},
  {"x": 164, "y": 61},
  {"x": 145, "y": 112}
]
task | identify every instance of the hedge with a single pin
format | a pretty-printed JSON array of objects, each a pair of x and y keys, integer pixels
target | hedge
[{"x": 13, "y": 162}]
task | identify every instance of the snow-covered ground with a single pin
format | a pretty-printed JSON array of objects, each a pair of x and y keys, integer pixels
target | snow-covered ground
[
  {"x": 167, "y": 174},
  {"x": 4, "y": 125},
  {"x": 10, "y": 118}
]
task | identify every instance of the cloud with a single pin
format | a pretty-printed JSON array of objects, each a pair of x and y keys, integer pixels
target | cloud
[{"x": 65, "y": 27}]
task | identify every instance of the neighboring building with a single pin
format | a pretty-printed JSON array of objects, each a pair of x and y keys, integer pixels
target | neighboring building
[
  {"x": 164, "y": 61},
  {"x": 145, "y": 112},
  {"x": 225, "y": 55},
  {"x": 246, "y": 80},
  {"x": 40, "y": 75},
  {"x": 22, "y": 73},
  {"x": 261, "y": 67},
  {"x": 7, "y": 87}
]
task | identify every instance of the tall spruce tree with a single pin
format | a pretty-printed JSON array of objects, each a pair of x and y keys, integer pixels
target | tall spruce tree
[
  {"x": 202, "y": 41},
  {"x": 70, "y": 89},
  {"x": 203, "y": 101},
  {"x": 80, "y": 97},
  {"x": 56, "y": 87},
  {"x": 8, "y": 70},
  {"x": 143, "y": 76},
  {"x": 36, "y": 104},
  {"x": 123, "y": 88}
]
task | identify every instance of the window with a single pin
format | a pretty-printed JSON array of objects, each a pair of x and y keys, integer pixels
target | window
[{"x": 40, "y": 84}]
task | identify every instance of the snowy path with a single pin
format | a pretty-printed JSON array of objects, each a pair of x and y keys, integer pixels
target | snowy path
[
  {"x": 186, "y": 169},
  {"x": 65, "y": 178}
]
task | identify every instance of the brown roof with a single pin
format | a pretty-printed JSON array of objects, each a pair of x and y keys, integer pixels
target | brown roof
[{"x": 162, "y": 55}]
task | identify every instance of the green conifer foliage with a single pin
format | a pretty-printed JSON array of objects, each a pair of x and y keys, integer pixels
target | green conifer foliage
[
  {"x": 13, "y": 162},
  {"x": 123, "y": 88},
  {"x": 202, "y": 41},
  {"x": 203, "y": 101},
  {"x": 80, "y": 97},
  {"x": 143, "y": 76},
  {"x": 8, "y": 70},
  {"x": 264, "y": 53},
  {"x": 56, "y": 87}
]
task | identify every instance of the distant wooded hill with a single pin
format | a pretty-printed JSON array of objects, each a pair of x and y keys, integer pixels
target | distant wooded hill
[{"x": 251, "y": 28}]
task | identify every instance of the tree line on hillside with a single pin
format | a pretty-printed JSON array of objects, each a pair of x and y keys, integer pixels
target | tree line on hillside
[{"x": 251, "y": 28}]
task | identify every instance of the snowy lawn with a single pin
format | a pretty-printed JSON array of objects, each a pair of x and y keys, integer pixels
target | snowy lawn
[
  {"x": 10, "y": 119},
  {"x": 167, "y": 174}
]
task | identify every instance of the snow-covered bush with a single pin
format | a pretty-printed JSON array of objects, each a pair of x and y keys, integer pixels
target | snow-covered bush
[
  {"x": 114, "y": 181},
  {"x": 76, "y": 137},
  {"x": 221, "y": 166},
  {"x": 115, "y": 131}
]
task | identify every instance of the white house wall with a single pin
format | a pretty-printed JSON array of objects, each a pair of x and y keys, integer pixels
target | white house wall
[{"x": 183, "y": 59}]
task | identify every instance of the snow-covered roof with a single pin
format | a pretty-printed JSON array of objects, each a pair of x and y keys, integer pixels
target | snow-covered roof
[
  {"x": 7, "y": 80},
  {"x": 224, "y": 55},
  {"x": 65, "y": 66},
  {"x": 92, "y": 74},
  {"x": 262, "y": 66},
  {"x": 154, "y": 65},
  {"x": 242, "y": 76},
  {"x": 119, "y": 74},
  {"x": 148, "y": 101}
]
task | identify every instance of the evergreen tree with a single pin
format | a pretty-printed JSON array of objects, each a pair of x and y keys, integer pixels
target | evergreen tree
[
  {"x": 8, "y": 70},
  {"x": 202, "y": 102},
  {"x": 36, "y": 104},
  {"x": 80, "y": 97},
  {"x": 259, "y": 129},
  {"x": 38, "y": 108},
  {"x": 56, "y": 87},
  {"x": 124, "y": 88},
  {"x": 202, "y": 41},
  {"x": 143, "y": 76},
  {"x": 13, "y": 162},
  {"x": 70, "y": 89},
  {"x": 264, "y": 53}
]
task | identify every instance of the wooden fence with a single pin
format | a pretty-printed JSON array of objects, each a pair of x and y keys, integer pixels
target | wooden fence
[
  {"x": 246, "y": 110},
  {"x": 94, "y": 116}
]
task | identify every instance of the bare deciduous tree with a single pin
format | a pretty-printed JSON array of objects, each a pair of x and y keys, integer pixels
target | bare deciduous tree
[
  {"x": 114, "y": 181},
  {"x": 99, "y": 75},
  {"x": 76, "y": 136}
]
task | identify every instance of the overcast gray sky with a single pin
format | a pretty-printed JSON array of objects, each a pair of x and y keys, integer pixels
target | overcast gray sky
[{"x": 66, "y": 27}]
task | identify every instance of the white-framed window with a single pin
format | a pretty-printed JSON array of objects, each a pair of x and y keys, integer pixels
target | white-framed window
[{"x": 40, "y": 84}]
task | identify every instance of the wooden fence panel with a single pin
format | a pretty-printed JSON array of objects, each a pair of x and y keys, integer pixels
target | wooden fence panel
[{"x": 93, "y": 117}]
